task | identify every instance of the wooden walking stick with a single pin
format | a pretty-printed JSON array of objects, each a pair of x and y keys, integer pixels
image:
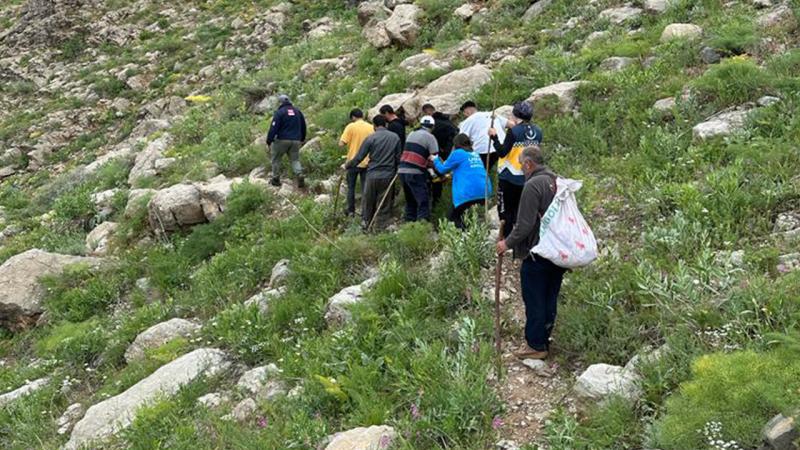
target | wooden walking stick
[
  {"x": 498, "y": 277},
  {"x": 380, "y": 205},
  {"x": 336, "y": 193},
  {"x": 489, "y": 155}
]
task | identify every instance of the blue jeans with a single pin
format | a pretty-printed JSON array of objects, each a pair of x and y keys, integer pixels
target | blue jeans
[
  {"x": 352, "y": 178},
  {"x": 541, "y": 282},
  {"x": 417, "y": 193}
]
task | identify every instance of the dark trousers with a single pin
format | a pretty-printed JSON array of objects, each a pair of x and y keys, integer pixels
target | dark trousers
[
  {"x": 508, "y": 195},
  {"x": 352, "y": 178},
  {"x": 282, "y": 147},
  {"x": 491, "y": 157},
  {"x": 374, "y": 190},
  {"x": 417, "y": 193},
  {"x": 436, "y": 193},
  {"x": 541, "y": 282},
  {"x": 457, "y": 215}
]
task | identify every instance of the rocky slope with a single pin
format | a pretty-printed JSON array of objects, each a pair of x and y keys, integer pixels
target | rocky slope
[{"x": 156, "y": 292}]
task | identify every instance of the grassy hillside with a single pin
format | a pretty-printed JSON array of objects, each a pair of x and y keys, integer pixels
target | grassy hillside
[{"x": 692, "y": 256}]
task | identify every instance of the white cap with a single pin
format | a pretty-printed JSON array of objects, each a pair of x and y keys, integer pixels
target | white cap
[{"x": 427, "y": 121}]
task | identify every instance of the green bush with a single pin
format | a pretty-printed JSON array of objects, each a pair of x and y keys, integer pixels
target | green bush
[
  {"x": 82, "y": 292},
  {"x": 739, "y": 391},
  {"x": 732, "y": 82},
  {"x": 735, "y": 37},
  {"x": 77, "y": 344}
]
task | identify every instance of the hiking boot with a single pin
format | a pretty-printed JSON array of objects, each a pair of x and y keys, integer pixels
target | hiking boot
[
  {"x": 301, "y": 182},
  {"x": 526, "y": 352},
  {"x": 275, "y": 181}
]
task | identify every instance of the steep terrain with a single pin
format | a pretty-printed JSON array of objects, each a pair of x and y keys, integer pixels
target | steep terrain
[{"x": 156, "y": 292}]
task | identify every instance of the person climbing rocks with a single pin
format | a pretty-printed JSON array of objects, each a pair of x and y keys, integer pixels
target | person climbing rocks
[
  {"x": 383, "y": 150},
  {"x": 394, "y": 122},
  {"x": 469, "y": 178},
  {"x": 476, "y": 125},
  {"x": 444, "y": 131},
  {"x": 413, "y": 170},
  {"x": 511, "y": 180},
  {"x": 540, "y": 279},
  {"x": 353, "y": 136},
  {"x": 286, "y": 135}
]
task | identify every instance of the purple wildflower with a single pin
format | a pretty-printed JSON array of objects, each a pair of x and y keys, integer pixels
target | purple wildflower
[
  {"x": 497, "y": 423},
  {"x": 415, "y": 412},
  {"x": 385, "y": 441},
  {"x": 262, "y": 422}
]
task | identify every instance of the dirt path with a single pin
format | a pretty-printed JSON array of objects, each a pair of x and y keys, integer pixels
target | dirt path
[{"x": 529, "y": 397}]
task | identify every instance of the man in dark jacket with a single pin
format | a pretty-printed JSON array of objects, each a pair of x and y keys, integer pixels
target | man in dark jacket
[
  {"x": 539, "y": 277},
  {"x": 383, "y": 149},
  {"x": 286, "y": 135},
  {"x": 394, "y": 123},
  {"x": 413, "y": 170},
  {"x": 444, "y": 131}
]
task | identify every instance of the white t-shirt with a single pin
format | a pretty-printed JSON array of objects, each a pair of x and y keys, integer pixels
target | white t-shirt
[{"x": 477, "y": 126}]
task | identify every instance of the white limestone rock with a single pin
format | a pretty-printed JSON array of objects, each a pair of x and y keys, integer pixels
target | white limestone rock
[
  {"x": 371, "y": 438},
  {"x": 600, "y": 381},
  {"x": 23, "y": 391},
  {"x": 110, "y": 416},
  {"x": 681, "y": 31},
  {"x": 158, "y": 335}
]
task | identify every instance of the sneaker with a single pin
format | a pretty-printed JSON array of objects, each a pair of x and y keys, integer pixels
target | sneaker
[
  {"x": 526, "y": 352},
  {"x": 301, "y": 182},
  {"x": 275, "y": 181}
]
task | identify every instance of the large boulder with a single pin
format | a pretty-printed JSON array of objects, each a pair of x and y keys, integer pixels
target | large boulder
[
  {"x": 423, "y": 61},
  {"x": 562, "y": 93},
  {"x": 214, "y": 195},
  {"x": 375, "y": 33},
  {"x": 397, "y": 101},
  {"x": 27, "y": 389},
  {"x": 20, "y": 292},
  {"x": 621, "y": 14},
  {"x": 158, "y": 335},
  {"x": 262, "y": 382},
  {"x": 658, "y": 6},
  {"x": 536, "y": 9},
  {"x": 175, "y": 207},
  {"x": 371, "y": 438},
  {"x": 402, "y": 26},
  {"x": 99, "y": 239},
  {"x": 721, "y": 125},
  {"x": 311, "y": 68},
  {"x": 263, "y": 299},
  {"x": 146, "y": 163},
  {"x": 116, "y": 413},
  {"x": 687, "y": 31},
  {"x": 600, "y": 381},
  {"x": 448, "y": 92},
  {"x": 337, "y": 311},
  {"x": 367, "y": 11},
  {"x": 782, "y": 17}
]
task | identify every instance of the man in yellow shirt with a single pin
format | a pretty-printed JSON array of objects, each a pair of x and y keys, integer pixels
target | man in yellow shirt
[{"x": 353, "y": 136}]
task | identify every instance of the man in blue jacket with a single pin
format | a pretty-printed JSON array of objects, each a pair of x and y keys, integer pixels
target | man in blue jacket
[
  {"x": 469, "y": 178},
  {"x": 286, "y": 135}
]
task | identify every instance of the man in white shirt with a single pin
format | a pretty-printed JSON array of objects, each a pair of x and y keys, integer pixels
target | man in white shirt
[{"x": 476, "y": 125}]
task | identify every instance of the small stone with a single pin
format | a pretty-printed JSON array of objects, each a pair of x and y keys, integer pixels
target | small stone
[
  {"x": 768, "y": 100},
  {"x": 664, "y": 105},
  {"x": 616, "y": 63},
  {"x": 244, "y": 410},
  {"x": 464, "y": 11},
  {"x": 506, "y": 444},
  {"x": 536, "y": 9},
  {"x": 371, "y": 438},
  {"x": 539, "y": 367},
  {"x": 280, "y": 273},
  {"x": 259, "y": 382},
  {"x": 781, "y": 433},
  {"x": 212, "y": 401},
  {"x": 709, "y": 55},
  {"x": 600, "y": 381},
  {"x": 621, "y": 15},
  {"x": 71, "y": 416}
]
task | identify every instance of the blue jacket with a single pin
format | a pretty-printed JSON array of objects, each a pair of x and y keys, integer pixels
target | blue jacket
[
  {"x": 288, "y": 124},
  {"x": 469, "y": 176}
]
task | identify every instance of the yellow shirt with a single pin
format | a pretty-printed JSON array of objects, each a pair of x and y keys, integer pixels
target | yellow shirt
[{"x": 354, "y": 135}]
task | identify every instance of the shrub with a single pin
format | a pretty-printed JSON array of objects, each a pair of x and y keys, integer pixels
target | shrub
[
  {"x": 732, "y": 391},
  {"x": 733, "y": 81},
  {"x": 735, "y": 37},
  {"x": 76, "y": 344}
]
